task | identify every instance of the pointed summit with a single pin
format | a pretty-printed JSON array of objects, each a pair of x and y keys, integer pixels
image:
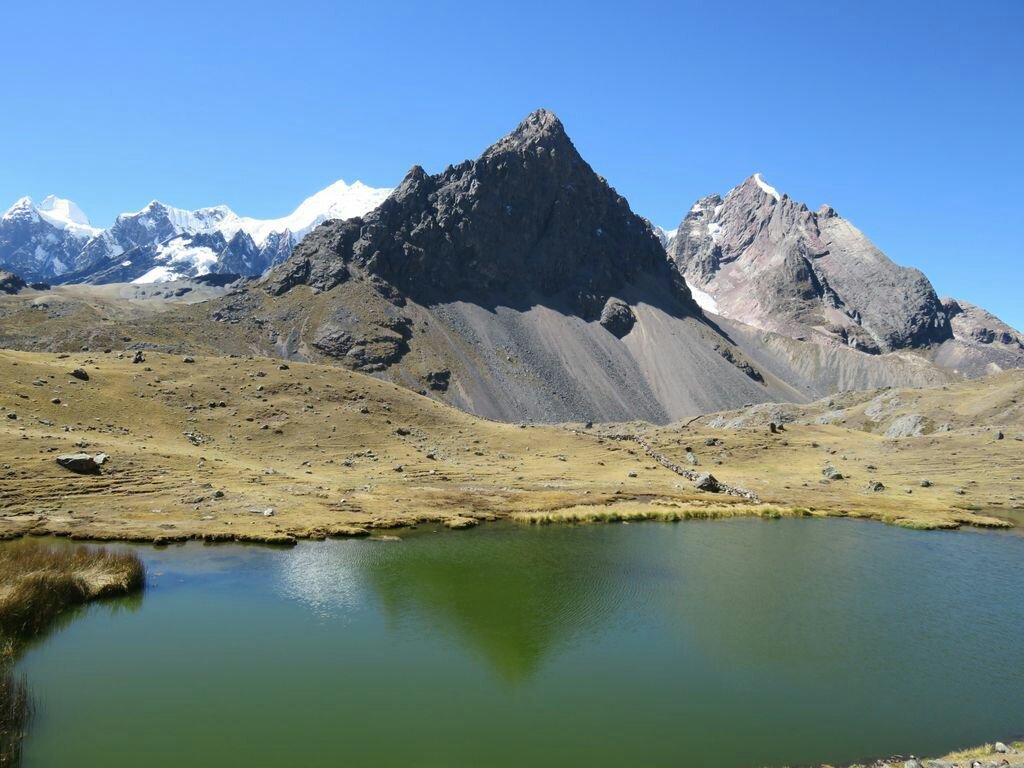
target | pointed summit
[
  {"x": 529, "y": 221},
  {"x": 540, "y": 128}
]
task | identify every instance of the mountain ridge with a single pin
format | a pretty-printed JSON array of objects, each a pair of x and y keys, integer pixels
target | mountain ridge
[{"x": 54, "y": 241}]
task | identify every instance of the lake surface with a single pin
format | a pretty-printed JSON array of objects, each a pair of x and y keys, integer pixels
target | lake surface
[{"x": 731, "y": 643}]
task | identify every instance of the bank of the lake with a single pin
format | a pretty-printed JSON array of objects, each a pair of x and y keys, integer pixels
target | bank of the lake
[{"x": 742, "y": 643}]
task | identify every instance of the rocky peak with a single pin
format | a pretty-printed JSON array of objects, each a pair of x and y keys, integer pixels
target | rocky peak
[
  {"x": 540, "y": 128},
  {"x": 769, "y": 261},
  {"x": 528, "y": 220}
]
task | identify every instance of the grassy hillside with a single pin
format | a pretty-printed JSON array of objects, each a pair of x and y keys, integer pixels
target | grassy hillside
[{"x": 208, "y": 448}]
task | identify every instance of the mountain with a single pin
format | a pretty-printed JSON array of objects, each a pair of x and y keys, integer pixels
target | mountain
[
  {"x": 520, "y": 286},
  {"x": 54, "y": 241},
  {"x": 768, "y": 261},
  {"x": 42, "y": 242}
]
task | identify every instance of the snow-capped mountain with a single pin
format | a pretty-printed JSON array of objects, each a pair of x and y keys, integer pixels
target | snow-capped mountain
[
  {"x": 54, "y": 240},
  {"x": 42, "y": 241}
]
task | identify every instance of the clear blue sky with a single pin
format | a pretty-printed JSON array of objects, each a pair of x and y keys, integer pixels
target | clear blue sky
[{"x": 908, "y": 117}]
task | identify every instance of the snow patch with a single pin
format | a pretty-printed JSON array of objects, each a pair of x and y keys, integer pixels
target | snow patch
[
  {"x": 67, "y": 216},
  {"x": 157, "y": 275},
  {"x": 767, "y": 188},
  {"x": 704, "y": 300},
  {"x": 715, "y": 230}
]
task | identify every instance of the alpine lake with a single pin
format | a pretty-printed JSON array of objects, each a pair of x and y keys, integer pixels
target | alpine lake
[{"x": 737, "y": 643}]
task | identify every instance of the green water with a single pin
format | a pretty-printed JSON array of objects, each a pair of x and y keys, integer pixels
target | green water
[{"x": 739, "y": 643}]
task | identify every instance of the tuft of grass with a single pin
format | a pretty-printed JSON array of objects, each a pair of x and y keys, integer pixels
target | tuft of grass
[
  {"x": 38, "y": 584},
  {"x": 15, "y": 713},
  {"x": 654, "y": 511}
]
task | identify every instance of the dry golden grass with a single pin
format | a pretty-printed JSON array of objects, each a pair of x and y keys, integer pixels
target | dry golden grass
[
  {"x": 38, "y": 584},
  {"x": 337, "y": 453}
]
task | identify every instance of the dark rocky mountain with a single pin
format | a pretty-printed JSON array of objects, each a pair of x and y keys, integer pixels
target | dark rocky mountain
[
  {"x": 528, "y": 219},
  {"x": 520, "y": 285}
]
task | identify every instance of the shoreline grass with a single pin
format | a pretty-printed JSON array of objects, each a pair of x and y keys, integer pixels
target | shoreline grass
[{"x": 37, "y": 585}]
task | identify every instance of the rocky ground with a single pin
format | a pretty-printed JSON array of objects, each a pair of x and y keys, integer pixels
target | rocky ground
[{"x": 997, "y": 755}]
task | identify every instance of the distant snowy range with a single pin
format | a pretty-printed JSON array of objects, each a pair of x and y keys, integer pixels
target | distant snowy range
[{"x": 53, "y": 240}]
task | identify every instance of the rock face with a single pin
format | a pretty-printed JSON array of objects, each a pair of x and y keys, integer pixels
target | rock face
[
  {"x": 527, "y": 219},
  {"x": 982, "y": 343},
  {"x": 761, "y": 258}
]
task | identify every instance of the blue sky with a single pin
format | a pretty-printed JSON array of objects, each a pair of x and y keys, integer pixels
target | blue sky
[{"x": 908, "y": 117}]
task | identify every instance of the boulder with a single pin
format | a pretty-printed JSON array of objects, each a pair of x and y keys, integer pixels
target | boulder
[
  {"x": 80, "y": 374},
  {"x": 707, "y": 482},
  {"x": 617, "y": 317},
  {"x": 82, "y": 463}
]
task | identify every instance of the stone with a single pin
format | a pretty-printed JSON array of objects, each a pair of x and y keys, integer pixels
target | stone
[
  {"x": 832, "y": 473},
  {"x": 925, "y": 483},
  {"x": 875, "y": 486},
  {"x": 1001, "y": 748},
  {"x": 82, "y": 463},
  {"x": 707, "y": 482},
  {"x": 139, "y": 356},
  {"x": 188, "y": 359},
  {"x": 80, "y": 374},
  {"x": 268, "y": 512},
  {"x": 617, "y": 317}
]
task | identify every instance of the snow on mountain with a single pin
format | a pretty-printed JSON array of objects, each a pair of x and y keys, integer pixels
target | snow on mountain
[
  {"x": 338, "y": 201},
  {"x": 67, "y": 216},
  {"x": 55, "y": 241},
  {"x": 40, "y": 242}
]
